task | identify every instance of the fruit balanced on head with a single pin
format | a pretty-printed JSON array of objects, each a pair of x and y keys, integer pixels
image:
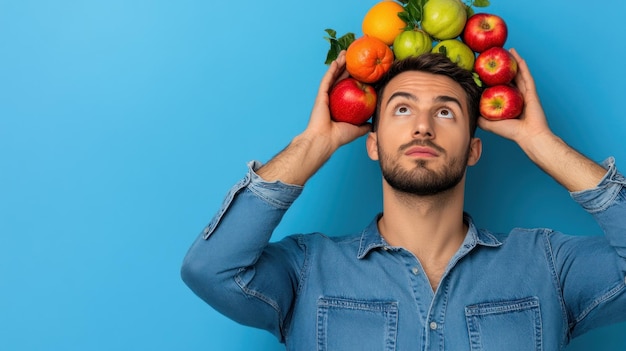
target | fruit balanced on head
[
  {"x": 444, "y": 19},
  {"x": 457, "y": 52},
  {"x": 352, "y": 101},
  {"x": 382, "y": 21},
  {"x": 501, "y": 102},
  {"x": 495, "y": 66},
  {"x": 413, "y": 42},
  {"x": 387, "y": 35},
  {"x": 483, "y": 31},
  {"x": 368, "y": 58}
]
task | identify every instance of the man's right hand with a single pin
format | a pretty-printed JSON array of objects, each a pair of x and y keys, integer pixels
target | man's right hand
[
  {"x": 320, "y": 122},
  {"x": 322, "y": 137}
]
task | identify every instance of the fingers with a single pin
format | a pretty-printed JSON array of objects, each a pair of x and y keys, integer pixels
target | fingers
[
  {"x": 335, "y": 71},
  {"x": 524, "y": 80}
]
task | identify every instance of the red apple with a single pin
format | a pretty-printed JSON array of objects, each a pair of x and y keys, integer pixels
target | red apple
[
  {"x": 495, "y": 66},
  {"x": 483, "y": 31},
  {"x": 501, "y": 102},
  {"x": 352, "y": 101}
]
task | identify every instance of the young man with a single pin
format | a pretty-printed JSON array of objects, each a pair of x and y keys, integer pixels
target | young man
[{"x": 421, "y": 276}]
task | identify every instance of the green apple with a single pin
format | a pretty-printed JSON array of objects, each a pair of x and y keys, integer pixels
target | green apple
[
  {"x": 444, "y": 19},
  {"x": 411, "y": 43},
  {"x": 457, "y": 51}
]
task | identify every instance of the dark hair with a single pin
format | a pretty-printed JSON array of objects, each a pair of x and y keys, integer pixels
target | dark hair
[{"x": 434, "y": 63}]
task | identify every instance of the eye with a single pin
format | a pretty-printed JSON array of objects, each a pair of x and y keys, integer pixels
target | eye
[
  {"x": 445, "y": 113},
  {"x": 402, "y": 111}
]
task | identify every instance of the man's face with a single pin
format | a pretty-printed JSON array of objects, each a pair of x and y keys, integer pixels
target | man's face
[{"x": 423, "y": 140}]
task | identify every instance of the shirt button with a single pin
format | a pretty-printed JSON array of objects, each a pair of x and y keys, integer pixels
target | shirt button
[
  {"x": 415, "y": 270},
  {"x": 433, "y": 325}
]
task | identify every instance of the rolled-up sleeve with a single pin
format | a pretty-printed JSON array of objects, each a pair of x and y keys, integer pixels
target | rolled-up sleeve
[{"x": 607, "y": 203}]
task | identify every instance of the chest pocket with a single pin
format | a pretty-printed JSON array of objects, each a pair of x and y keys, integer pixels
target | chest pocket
[
  {"x": 505, "y": 325},
  {"x": 345, "y": 324}
]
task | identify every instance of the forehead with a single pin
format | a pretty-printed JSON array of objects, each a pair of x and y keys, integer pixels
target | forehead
[{"x": 426, "y": 85}]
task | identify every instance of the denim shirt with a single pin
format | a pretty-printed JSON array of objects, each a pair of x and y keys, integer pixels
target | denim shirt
[{"x": 530, "y": 289}]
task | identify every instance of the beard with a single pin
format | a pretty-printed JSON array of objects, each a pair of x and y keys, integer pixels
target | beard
[{"x": 420, "y": 179}]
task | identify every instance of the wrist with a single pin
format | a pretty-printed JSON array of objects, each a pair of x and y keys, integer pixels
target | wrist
[
  {"x": 298, "y": 161},
  {"x": 538, "y": 147},
  {"x": 318, "y": 145}
]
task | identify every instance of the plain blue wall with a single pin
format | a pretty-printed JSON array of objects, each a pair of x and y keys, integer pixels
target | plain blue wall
[{"x": 123, "y": 123}]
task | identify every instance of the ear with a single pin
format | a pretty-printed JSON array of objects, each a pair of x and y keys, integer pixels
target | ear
[
  {"x": 372, "y": 145},
  {"x": 476, "y": 149}
]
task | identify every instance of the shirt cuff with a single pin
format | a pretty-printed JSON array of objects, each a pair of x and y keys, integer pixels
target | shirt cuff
[
  {"x": 277, "y": 193},
  {"x": 604, "y": 194}
]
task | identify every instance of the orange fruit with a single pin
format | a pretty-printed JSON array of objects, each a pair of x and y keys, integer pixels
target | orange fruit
[
  {"x": 381, "y": 21},
  {"x": 368, "y": 58}
]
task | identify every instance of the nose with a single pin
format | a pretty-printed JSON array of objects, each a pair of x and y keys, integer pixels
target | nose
[{"x": 423, "y": 127}]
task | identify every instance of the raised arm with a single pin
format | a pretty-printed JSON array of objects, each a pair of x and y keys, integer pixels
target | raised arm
[
  {"x": 231, "y": 265},
  {"x": 531, "y": 132},
  {"x": 591, "y": 269}
]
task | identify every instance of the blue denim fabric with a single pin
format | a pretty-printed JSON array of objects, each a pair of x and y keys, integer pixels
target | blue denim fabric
[{"x": 530, "y": 289}]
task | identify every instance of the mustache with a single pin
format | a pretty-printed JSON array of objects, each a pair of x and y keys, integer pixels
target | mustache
[{"x": 426, "y": 143}]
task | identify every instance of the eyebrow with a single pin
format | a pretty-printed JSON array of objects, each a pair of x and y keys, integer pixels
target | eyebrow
[
  {"x": 440, "y": 98},
  {"x": 446, "y": 98},
  {"x": 401, "y": 94}
]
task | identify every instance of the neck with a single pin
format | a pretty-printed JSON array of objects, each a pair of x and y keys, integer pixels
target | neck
[{"x": 431, "y": 227}]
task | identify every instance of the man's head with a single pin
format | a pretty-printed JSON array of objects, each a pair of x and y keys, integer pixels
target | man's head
[
  {"x": 424, "y": 125},
  {"x": 435, "y": 64}
]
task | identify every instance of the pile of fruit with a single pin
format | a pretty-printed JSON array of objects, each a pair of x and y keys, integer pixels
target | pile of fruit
[{"x": 393, "y": 30}]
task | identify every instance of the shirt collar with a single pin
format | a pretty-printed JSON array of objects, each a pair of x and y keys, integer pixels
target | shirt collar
[{"x": 371, "y": 238}]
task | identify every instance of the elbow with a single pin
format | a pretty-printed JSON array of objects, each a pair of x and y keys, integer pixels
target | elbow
[
  {"x": 204, "y": 276},
  {"x": 196, "y": 274},
  {"x": 196, "y": 268},
  {"x": 187, "y": 272}
]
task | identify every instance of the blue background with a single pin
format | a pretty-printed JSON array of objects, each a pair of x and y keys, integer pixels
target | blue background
[{"x": 124, "y": 123}]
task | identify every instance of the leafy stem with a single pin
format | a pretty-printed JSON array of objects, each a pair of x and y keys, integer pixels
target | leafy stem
[
  {"x": 412, "y": 14},
  {"x": 337, "y": 44}
]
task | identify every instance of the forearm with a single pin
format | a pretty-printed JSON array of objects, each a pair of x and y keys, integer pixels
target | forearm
[
  {"x": 532, "y": 133},
  {"x": 567, "y": 166},
  {"x": 299, "y": 161}
]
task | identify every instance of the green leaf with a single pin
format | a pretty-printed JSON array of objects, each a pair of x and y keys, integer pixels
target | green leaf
[
  {"x": 481, "y": 3},
  {"x": 345, "y": 40},
  {"x": 470, "y": 11},
  {"x": 412, "y": 13},
  {"x": 406, "y": 18},
  {"x": 477, "y": 79},
  {"x": 333, "y": 52},
  {"x": 337, "y": 44}
]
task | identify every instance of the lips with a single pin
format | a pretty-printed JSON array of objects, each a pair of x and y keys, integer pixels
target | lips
[{"x": 421, "y": 151}]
